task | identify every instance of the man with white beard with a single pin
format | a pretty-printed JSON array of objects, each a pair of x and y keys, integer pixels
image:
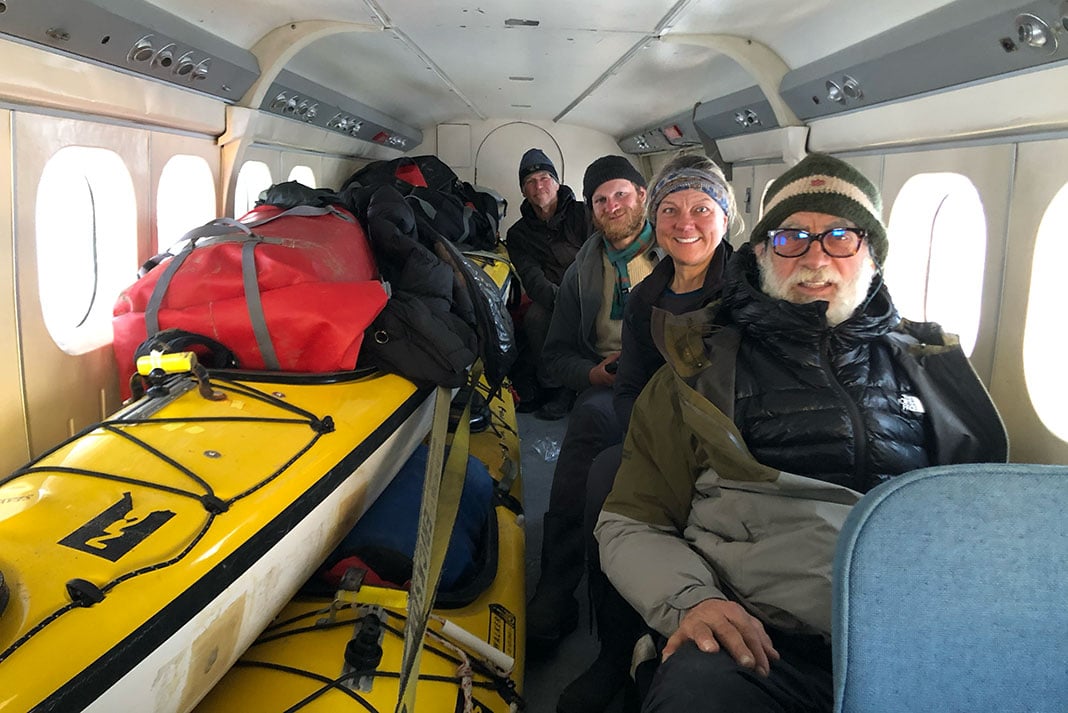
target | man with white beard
[{"x": 778, "y": 406}]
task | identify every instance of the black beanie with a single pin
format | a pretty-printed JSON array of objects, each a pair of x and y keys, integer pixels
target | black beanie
[
  {"x": 608, "y": 168},
  {"x": 824, "y": 184},
  {"x": 533, "y": 161}
]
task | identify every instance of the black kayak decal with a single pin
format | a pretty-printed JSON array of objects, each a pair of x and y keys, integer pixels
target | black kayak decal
[{"x": 112, "y": 534}]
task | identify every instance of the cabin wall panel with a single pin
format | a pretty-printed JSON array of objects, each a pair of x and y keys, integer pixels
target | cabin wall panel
[
  {"x": 1041, "y": 171},
  {"x": 336, "y": 170},
  {"x": 270, "y": 156},
  {"x": 14, "y": 438},
  {"x": 763, "y": 175},
  {"x": 989, "y": 168},
  {"x": 46, "y": 79},
  {"x": 64, "y": 392},
  {"x": 291, "y": 159},
  {"x": 163, "y": 147},
  {"x": 748, "y": 203}
]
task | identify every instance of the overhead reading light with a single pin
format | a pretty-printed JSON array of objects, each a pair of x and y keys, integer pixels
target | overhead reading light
[
  {"x": 184, "y": 65},
  {"x": 851, "y": 88},
  {"x": 1034, "y": 32},
  {"x": 142, "y": 50},
  {"x": 515, "y": 22},
  {"x": 522, "y": 79},
  {"x": 201, "y": 70},
  {"x": 747, "y": 118}
]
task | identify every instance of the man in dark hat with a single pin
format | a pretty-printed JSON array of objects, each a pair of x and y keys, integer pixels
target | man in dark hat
[
  {"x": 778, "y": 407},
  {"x": 542, "y": 245},
  {"x": 585, "y": 338}
]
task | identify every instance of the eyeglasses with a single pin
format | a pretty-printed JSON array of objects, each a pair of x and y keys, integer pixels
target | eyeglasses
[{"x": 836, "y": 242}]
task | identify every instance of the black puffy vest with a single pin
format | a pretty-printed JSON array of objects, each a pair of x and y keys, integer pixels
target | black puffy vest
[{"x": 824, "y": 402}]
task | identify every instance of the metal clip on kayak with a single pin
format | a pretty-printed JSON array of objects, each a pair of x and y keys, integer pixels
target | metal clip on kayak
[
  {"x": 346, "y": 596},
  {"x": 158, "y": 365}
]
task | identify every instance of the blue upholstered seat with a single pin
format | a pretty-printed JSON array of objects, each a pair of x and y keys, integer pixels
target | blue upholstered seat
[{"x": 951, "y": 593}]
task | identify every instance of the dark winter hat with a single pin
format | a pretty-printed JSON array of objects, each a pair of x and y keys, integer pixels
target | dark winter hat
[
  {"x": 535, "y": 160},
  {"x": 824, "y": 184},
  {"x": 608, "y": 168}
]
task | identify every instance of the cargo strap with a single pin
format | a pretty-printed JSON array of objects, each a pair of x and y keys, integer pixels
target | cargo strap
[
  {"x": 441, "y": 501},
  {"x": 225, "y": 228}
]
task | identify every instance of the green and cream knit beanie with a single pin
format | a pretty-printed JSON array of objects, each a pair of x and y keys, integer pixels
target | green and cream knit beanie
[{"x": 824, "y": 184}]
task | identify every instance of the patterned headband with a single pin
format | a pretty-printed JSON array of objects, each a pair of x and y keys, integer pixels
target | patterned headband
[{"x": 690, "y": 179}]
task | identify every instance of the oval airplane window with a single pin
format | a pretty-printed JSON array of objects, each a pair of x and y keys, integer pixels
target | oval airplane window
[
  {"x": 304, "y": 175},
  {"x": 937, "y": 255},
  {"x": 185, "y": 198},
  {"x": 1044, "y": 341},
  {"x": 253, "y": 179},
  {"x": 86, "y": 252}
]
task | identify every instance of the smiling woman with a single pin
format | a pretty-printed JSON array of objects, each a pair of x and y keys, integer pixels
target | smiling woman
[{"x": 690, "y": 207}]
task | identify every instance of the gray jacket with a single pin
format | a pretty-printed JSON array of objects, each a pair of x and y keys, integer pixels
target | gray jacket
[{"x": 571, "y": 346}]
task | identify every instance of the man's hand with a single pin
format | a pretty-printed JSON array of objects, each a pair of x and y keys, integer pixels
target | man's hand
[
  {"x": 600, "y": 376},
  {"x": 716, "y": 623}
]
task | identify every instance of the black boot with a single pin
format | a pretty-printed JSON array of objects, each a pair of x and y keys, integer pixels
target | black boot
[
  {"x": 552, "y": 612},
  {"x": 618, "y": 626},
  {"x": 556, "y": 403}
]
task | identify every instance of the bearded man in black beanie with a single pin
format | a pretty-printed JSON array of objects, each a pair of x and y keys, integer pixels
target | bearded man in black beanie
[
  {"x": 778, "y": 407},
  {"x": 585, "y": 338}
]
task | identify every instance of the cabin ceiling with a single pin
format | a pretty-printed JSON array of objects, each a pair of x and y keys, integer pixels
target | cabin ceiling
[{"x": 416, "y": 71}]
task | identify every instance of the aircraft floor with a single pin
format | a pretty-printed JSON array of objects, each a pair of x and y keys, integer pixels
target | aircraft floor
[{"x": 545, "y": 679}]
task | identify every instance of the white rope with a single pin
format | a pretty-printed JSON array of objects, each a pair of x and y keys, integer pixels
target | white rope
[{"x": 464, "y": 671}]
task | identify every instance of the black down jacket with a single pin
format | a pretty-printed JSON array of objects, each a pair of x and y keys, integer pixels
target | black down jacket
[
  {"x": 542, "y": 250},
  {"x": 827, "y": 402},
  {"x": 424, "y": 332}
]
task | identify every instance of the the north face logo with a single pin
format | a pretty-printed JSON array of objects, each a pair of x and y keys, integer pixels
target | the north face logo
[{"x": 911, "y": 403}]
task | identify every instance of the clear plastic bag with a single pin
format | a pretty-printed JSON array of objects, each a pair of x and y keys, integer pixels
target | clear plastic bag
[{"x": 548, "y": 449}]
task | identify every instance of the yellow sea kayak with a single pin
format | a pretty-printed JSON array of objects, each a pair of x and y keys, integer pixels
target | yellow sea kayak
[{"x": 144, "y": 555}]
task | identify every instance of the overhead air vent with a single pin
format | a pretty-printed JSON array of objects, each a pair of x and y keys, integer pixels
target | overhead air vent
[
  {"x": 300, "y": 99},
  {"x": 135, "y": 37},
  {"x": 965, "y": 41}
]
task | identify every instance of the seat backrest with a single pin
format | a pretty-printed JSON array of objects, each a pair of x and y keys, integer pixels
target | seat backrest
[{"x": 951, "y": 593}]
